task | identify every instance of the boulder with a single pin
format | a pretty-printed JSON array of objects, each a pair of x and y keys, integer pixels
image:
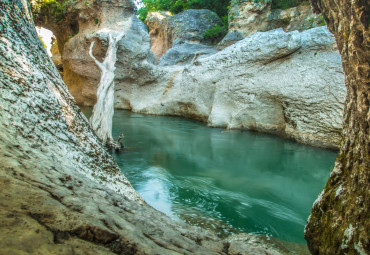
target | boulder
[
  {"x": 190, "y": 25},
  {"x": 229, "y": 39},
  {"x": 187, "y": 27},
  {"x": 185, "y": 53}
]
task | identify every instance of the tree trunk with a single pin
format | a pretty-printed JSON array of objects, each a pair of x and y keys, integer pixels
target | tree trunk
[
  {"x": 101, "y": 119},
  {"x": 340, "y": 218}
]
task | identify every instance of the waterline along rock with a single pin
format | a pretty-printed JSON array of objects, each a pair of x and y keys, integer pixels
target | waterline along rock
[
  {"x": 291, "y": 84},
  {"x": 285, "y": 83}
]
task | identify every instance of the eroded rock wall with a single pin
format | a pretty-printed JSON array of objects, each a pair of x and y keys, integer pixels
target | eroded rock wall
[
  {"x": 298, "y": 94},
  {"x": 290, "y": 84}
]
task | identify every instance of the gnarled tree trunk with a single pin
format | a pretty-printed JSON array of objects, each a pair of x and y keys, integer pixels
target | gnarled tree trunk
[
  {"x": 340, "y": 218},
  {"x": 101, "y": 119}
]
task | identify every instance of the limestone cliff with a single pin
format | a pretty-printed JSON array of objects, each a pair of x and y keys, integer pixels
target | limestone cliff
[
  {"x": 61, "y": 192},
  {"x": 294, "y": 89},
  {"x": 284, "y": 83},
  {"x": 340, "y": 222}
]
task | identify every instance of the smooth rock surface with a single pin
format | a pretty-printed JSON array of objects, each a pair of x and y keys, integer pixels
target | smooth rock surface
[
  {"x": 290, "y": 84},
  {"x": 185, "y": 53}
]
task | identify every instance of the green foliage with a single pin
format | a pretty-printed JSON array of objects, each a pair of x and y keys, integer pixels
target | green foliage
[
  {"x": 215, "y": 34},
  {"x": 323, "y": 23},
  {"x": 175, "y": 6},
  {"x": 143, "y": 13},
  {"x": 55, "y": 8},
  {"x": 285, "y": 4}
]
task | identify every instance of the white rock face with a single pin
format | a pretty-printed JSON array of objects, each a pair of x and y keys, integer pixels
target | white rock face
[
  {"x": 290, "y": 84},
  {"x": 38, "y": 112}
]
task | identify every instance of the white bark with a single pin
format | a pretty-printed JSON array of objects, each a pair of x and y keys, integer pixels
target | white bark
[{"x": 101, "y": 119}]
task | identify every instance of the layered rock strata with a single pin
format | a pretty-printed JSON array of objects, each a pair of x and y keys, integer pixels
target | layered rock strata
[{"x": 340, "y": 222}]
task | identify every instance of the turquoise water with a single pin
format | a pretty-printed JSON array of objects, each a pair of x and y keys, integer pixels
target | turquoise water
[{"x": 224, "y": 180}]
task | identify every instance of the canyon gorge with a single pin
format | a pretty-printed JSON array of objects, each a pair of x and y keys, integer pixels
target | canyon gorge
[{"x": 63, "y": 193}]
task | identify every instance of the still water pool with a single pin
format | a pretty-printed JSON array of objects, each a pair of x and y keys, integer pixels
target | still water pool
[{"x": 224, "y": 180}]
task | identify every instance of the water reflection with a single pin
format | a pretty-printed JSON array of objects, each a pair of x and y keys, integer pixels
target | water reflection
[{"x": 223, "y": 180}]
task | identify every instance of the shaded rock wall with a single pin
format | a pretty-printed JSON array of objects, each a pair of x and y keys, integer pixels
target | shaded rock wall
[
  {"x": 188, "y": 27},
  {"x": 177, "y": 39},
  {"x": 340, "y": 222},
  {"x": 161, "y": 40},
  {"x": 56, "y": 57},
  {"x": 80, "y": 72}
]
